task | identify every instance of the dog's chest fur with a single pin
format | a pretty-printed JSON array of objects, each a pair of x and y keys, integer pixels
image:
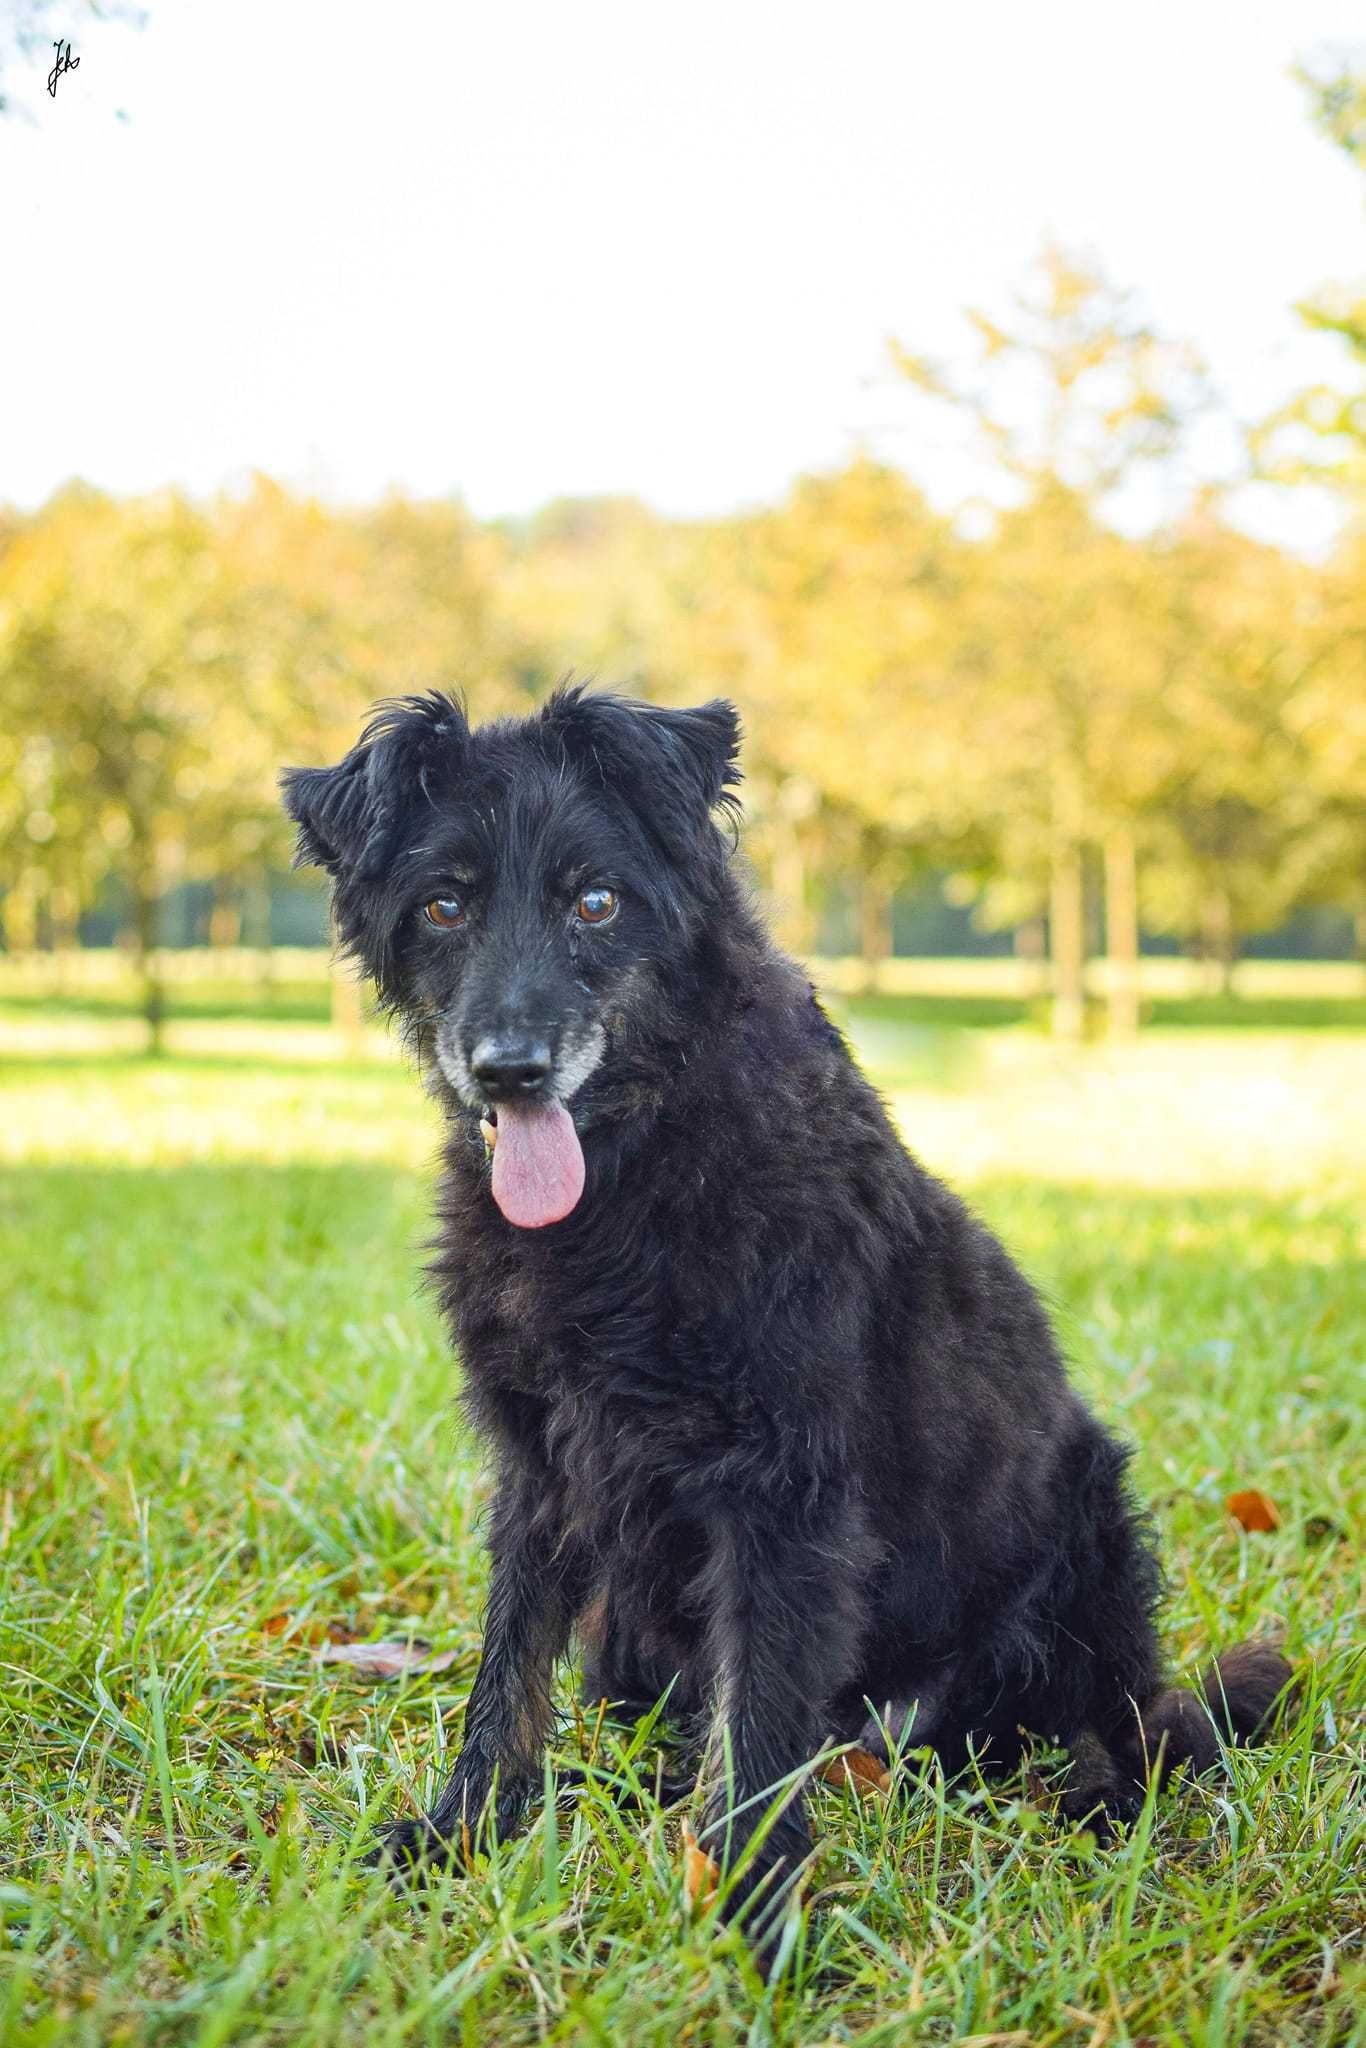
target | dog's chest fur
[
  {"x": 627, "y": 1350},
  {"x": 761, "y": 1301},
  {"x": 609, "y": 1365}
]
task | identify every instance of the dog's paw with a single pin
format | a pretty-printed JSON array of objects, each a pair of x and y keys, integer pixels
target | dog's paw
[
  {"x": 411, "y": 1850},
  {"x": 1103, "y": 1808}
]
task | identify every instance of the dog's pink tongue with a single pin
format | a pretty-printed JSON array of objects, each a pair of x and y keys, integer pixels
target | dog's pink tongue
[{"x": 537, "y": 1163}]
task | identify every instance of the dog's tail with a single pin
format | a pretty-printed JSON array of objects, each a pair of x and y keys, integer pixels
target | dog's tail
[{"x": 1234, "y": 1704}]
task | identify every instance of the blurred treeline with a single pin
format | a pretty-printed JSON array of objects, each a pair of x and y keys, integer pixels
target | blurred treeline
[{"x": 1087, "y": 732}]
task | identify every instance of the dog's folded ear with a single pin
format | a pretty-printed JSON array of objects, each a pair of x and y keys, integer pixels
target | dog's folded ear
[
  {"x": 332, "y": 808},
  {"x": 347, "y": 815},
  {"x": 705, "y": 740},
  {"x": 679, "y": 764}
]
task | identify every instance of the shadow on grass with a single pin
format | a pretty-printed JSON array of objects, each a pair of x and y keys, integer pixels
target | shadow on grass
[
  {"x": 18, "y": 1069},
  {"x": 1193, "y": 1013},
  {"x": 939, "y": 1013},
  {"x": 289, "y": 1003},
  {"x": 308, "y": 1003},
  {"x": 1259, "y": 1013}
]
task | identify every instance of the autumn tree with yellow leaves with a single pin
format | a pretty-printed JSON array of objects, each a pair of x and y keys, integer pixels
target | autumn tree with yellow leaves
[{"x": 1058, "y": 707}]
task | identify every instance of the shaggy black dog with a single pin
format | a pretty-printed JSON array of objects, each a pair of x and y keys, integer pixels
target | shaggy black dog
[{"x": 776, "y": 1422}]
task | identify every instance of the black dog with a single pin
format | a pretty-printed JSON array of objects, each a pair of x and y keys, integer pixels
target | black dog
[{"x": 777, "y": 1423}]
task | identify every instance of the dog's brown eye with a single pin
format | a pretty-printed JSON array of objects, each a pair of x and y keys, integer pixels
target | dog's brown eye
[
  {"x": 597, "y": 906},
  {"x": 445, "y": 912}
]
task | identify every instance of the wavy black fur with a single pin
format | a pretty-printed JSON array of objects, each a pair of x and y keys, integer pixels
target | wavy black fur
[{"x": 776, "y": 1421}]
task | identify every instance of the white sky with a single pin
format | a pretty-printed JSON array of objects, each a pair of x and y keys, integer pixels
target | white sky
[{"x": 517, "y": 250}]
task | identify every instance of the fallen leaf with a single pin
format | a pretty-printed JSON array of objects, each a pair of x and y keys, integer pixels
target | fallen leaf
[
  {"x": 314, "y": 1748},
  {"x": 858, "y": 1772},
  {"x": 1254, "y": 1510},
  {"x": 701, "y": 1876},
  {"x": 403, "y": 1658},
  {"x": 306, "y": 1628}
]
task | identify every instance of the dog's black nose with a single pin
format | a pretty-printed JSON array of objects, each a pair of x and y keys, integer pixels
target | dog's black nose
[{"x": 510, "y": 1066}]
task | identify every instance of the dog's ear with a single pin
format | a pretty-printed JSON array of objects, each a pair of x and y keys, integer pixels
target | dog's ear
[
  {"x": 332, "y": 808},
  {"x": 347, "y": 815},
  {"x": 679, "y": 764},
  {"x": 706, "y": 742}
]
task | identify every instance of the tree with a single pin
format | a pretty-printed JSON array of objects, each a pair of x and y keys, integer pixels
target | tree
[
  {"x": 827, "y": 619},
  {"x": 1073, "y": 397},
  {"x": 596, "y": 585},
  {"x": 113, "y": 640},
  {"x": 1320, "y": 436},
  {"x": 330, "y": 612},
  {"x": 1235, "y": 833}
]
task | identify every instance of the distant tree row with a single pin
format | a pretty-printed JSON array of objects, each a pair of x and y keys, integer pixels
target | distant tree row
[
  {"x": 1177, "y": 725},
  {"x": 1171, "y": 729}
]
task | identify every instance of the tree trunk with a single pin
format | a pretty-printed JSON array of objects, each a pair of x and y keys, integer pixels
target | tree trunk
[
  {"x": 1221, "y": 940},
  {"x": 256, "y": 930},
  {"x": 1031, "y": 945},
  {"x": 875, "y": 922},
  {"x": 1031, "y": 940},
  {"x": 145, "y": 951},
  {"x": 348, "y": 1010},
  {"x": 21, "y": 914},
  {"x": 789, "y": 887},
  {"x": 1121, "y": 931},
  {"x": 1067, "y": 943},
  {"x": 225, "y": 920}
]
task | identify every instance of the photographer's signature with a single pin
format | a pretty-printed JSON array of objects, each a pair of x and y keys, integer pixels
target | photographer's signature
[{"x": 65, "y": 62}]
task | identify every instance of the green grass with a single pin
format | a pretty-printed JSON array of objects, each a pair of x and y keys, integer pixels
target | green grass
[
  {"x": 226, "y": 1404},
  {"x": 1257, "y": 1013},
  {"x": 286, "y": 1002},
  {"x": 208, "y": 998}
]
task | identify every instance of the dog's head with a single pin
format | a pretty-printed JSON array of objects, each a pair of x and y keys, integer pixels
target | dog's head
[{"x": 505, "y": 887}]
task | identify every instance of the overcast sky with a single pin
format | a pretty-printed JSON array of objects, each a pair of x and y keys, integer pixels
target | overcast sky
[{"x": 513, "y": 251}]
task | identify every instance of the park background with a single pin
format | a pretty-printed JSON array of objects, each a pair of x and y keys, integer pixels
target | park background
[{"x": 1049, "y": 636}]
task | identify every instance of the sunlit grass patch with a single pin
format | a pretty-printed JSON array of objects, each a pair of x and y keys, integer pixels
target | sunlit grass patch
[{"x": 229, "y": 1427}]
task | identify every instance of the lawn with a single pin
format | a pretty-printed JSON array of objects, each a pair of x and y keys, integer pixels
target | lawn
[{"x": 230, "y": 1438}]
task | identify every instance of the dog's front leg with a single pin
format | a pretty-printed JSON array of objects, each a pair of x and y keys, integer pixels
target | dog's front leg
[
  {"x": 785, "y": 1618},
  {"x": 509, "y": 1717}
]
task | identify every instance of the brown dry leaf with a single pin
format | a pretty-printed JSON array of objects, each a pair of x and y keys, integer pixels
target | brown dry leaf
[
  {"x": 1254, "y": 1510},
  {"x": 393, "y": 1658},
  {"x": 701, "y": 1875},
  {"x": 310, "y": 1628},
  {"x": 858, "y": 1772},
  {"x": 314, "y": 1748}
]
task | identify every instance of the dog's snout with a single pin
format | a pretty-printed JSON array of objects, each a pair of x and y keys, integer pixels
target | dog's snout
[{"x": 510, "y": 1065}]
